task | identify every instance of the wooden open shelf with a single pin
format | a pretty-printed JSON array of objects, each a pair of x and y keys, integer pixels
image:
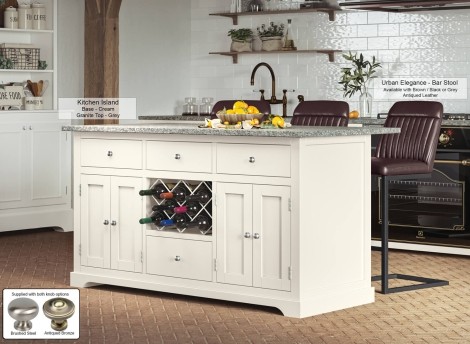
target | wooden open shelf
[
  {"x": 330, "y": 10},
  {"x": 234, "y": 54}
]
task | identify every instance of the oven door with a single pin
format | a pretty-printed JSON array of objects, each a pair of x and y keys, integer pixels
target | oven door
[{"x": 431, "y": 210}]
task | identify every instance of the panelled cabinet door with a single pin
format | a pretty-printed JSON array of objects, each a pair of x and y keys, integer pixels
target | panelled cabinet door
[
  {"x": 234, "y": 230},
  {"x": 49, "y": 173},
  {"x": 271, "y": 237},
  {"x": 95, "y": 221},
  {"x": 14, "y": 159},
  {"x": 126, "y": 232}
]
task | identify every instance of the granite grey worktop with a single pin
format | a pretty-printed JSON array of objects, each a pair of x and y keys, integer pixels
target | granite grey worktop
[
  {"x": 363, "y": 120},
  {"x": 191, "y": 128}
]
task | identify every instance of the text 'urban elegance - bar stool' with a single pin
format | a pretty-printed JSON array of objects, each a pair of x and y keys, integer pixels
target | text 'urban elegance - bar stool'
[
  {"x": 331, "y": 113},
  {"x": 407, "y": 155}
]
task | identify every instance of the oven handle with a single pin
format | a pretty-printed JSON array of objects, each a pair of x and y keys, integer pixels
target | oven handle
[{"x": 465, "y": 162}]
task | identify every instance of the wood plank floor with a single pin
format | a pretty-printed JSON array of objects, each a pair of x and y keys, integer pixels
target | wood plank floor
[{"x": 43, "y": 259}]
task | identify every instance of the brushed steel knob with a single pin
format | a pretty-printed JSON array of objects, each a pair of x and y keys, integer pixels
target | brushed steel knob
[
  {"x": 178, "y": 258},
  {"x": 247, "y": 235},
  {"x": 177, "y": 156},
  {"x": 106, "y": 222},
  {"x": 23, "y": 310},
  {"x": 110, "y": 153},
  {"x": 256, "y": 236},
  {"x": 58, "y": 310},
  {"x": 252, "y": 159},
  {"x": 113, "y": 223}
]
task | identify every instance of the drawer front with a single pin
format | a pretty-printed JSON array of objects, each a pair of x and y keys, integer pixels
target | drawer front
[
  {"x": 254, "y": 160},
  {"x": 179, "y": 258},
  {"x": 111, "y": 153},
  {"x": 179, "y": 156}
]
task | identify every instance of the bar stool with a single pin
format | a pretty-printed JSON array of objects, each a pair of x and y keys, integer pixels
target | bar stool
[
  {"x": 262, "y": 105},
  {"x": 407, "y": 155},
  {"x": 321, "y": 113}
]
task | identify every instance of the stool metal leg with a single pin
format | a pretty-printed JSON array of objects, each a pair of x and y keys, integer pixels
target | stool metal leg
[{"x": 385, "y": 276}]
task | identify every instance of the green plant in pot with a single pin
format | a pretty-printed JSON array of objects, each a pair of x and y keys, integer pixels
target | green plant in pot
[
  {"x": 241, "y": 39},
  {"x": 271, "y": 36},
  {"x": 356, "y": 78}
]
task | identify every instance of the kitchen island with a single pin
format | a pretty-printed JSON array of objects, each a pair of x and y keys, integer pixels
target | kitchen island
[{"x": 289, "y": 211}]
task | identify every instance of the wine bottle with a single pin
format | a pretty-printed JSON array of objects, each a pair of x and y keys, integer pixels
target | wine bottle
[
  {"x": 169, "y": 206},
  {"x": 159, "y": 190},
  {"x": 167, "y": 223},
  {"x": 202, "y": 222},
  {"x": 202, "y": 196},
  {"x": 155, "y": 217},
  {"x": 190, "y": 208}
]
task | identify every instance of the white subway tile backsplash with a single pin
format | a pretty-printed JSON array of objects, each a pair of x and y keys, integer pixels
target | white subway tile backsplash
[{"x": 411, "y": 44}]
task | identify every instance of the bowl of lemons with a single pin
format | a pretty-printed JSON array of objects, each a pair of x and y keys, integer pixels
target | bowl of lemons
[{"x": 241, "y": 111}]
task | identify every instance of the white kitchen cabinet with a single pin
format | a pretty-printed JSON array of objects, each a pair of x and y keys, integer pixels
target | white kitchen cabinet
[
  {"x": 111, "y": 236},
  {"x": 35, "y": 177},
  {"x": 287, "y": 232},
  {"x": 46, "y": 41},
  {"x": 253, "y": 235}
]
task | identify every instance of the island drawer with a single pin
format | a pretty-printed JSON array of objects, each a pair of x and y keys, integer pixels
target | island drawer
[
  {"x": 179, "y": 258},
  {"x": 111, "y": 153},
  {"x": 259, "y": 160},
  {"x": 179, "y": 156}
]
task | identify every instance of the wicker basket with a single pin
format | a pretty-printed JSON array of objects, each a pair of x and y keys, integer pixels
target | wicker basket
[{"x": 22, "y": 58}]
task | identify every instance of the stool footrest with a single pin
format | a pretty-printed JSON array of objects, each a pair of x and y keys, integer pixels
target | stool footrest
[{"x": 425, "y": 283}]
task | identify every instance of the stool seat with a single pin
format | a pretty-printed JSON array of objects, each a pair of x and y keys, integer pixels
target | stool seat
[{"x": 393, "y": 167}]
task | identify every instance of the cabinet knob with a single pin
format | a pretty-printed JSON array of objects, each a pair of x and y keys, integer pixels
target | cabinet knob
[
  {"x": 24, "y": 127},
  {"x": 177, "y": 259},
  {"x": 252, "y": 159},
  {"x": 113, "y": 223},
  {"x": 23, "y": 310},
  {"x": 247, "y": 235},
  {"x": 177, "y": 156},
  {"x": 106, "y": 222},
  {"x": 58, "y": 310},
  {"x": 256, "y": 236},
  {"x": 30, "y": 127},
  {"x": 110, "y": 153}
]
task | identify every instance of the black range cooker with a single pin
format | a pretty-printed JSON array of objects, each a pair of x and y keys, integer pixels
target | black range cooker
[{"x": 432, "y": 214}]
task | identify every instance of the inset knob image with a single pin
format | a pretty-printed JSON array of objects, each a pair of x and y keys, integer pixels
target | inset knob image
[
  {"x": 23, "y": 310},
  {"x": 58, "y": 310}
]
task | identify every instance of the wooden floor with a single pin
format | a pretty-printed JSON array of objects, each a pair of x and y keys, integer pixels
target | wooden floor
[{"x": 43, "y": 259}]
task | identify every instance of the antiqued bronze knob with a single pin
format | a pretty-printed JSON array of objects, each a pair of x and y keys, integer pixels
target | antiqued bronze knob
[
  {"x": 58, "y": 310},
  {"x": 23, "y": 310}
]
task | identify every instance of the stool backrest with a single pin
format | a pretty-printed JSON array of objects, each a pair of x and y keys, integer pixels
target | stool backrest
[
  {"x": 262, "y": 105},
  {"x": 420, "y": 123},
  {"x": 332, "y": 113}
]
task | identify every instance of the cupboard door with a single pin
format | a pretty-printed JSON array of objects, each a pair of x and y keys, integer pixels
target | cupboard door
[
  {"x": 14, "y": 161},
  {"x": 126, "y": 232},
  {"x": 50, "y": 171},
  {"x": 234, "y": 230},
  {"x": 95, "y": 221},
  {"x": 271, "y": 237}
]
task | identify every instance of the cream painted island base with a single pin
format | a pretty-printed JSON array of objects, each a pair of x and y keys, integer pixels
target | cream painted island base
[{"x": 290, "y": 214}]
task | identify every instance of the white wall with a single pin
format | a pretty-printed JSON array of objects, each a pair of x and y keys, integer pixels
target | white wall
[
  {"x": 70, "y": 39},
  {"x": 154, "y": 52},
  {"x": 420, "y": 44}
]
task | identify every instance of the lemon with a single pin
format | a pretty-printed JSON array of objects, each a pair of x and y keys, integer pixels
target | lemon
[
  {"x": 354, "y": 114},
  {"x": 254, "y": 121},
  {"x": 278, "y": 121},
  {"x": 240, "y": 111},
  {"x": 240, "y": 104},
  {"x": 252, "y": 109},
  {"x": 230, "y": 112}
]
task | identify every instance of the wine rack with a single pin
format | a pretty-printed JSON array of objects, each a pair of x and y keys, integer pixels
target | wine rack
[{"x": 191, "y": 187}]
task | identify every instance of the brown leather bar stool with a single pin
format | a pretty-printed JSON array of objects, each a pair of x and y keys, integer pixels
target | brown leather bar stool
[
  {"x": 262, "y": 105},
  {"x": 407, "y": 155},
  {"x": 321, "y": 113}
]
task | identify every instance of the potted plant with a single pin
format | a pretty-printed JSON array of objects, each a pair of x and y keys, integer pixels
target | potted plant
[
  {"x": 356, "y": 78},
  {"x": 241, "y": 39},
  {"x": 271, "y": 36}
]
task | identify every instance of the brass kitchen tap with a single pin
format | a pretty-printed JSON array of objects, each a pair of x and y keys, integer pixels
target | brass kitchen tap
[{"x": 273, "y": 99}]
